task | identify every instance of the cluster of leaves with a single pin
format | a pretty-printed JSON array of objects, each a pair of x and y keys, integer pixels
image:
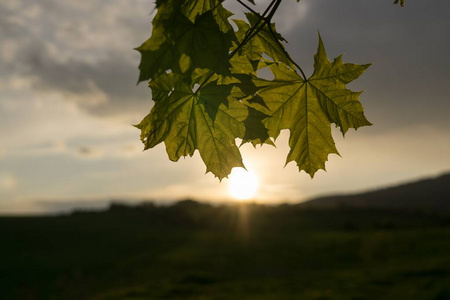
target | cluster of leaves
[{"x": 204, "y": 80}]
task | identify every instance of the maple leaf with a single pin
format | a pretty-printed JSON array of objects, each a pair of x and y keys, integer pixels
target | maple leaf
[
  {"x": 181, "y": 44},
  {"x": 329, "y": 80},
  {"x": 402, "y": 2},
  {"x": 263, "y": 42},
  {"x": 193, "y": 8},
  {"x": 157, "y": 52},
  {"x": 208, "y": 120},
  {"x": 189, "y": 8},
  {"x": 308, "y": 107},
  {"x": 203, "y": 77}
]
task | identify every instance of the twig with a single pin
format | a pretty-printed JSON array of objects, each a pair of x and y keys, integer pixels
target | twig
[{"x": 247, "y": 7}]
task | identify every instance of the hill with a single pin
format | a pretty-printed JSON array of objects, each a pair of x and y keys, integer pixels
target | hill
[{"x": 432, "y": 194}]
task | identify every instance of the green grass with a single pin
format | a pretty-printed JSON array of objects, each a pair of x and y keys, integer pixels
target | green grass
[{"x": 202, "y": 252}]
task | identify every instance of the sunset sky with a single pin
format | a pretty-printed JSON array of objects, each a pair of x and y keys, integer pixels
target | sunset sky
[{"x": 68, "y": 97}]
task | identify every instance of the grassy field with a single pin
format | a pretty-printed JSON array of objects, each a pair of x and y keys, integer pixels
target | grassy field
[{"x": 194, "y": 251}]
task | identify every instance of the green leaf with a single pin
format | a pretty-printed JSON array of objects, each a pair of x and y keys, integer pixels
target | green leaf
[
  {"x": 263, "y": 42},
  {"x": 221, "y": 16},
  {"x": 158, "y": 52},
  {"x": 181, "y": 46},
  {"x": 402, "y": 2},
  {"x": 240, "y": 64},
  {"x": 207, "y": 94},
  {"x": 193, "y": 8},
  {"x": 190, "y": 8},
  {"x": 328, "y": 82},
  {"x": 308, "y": 107},
  {"x": 208, "y": 120},
  {"x": 202, "y": 42}
]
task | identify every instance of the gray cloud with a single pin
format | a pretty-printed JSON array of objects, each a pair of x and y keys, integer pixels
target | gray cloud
[
  {"x": 83, "y": 50},
  {"x": 80, "y": 50},
  {"x": 408, "y": 47},
  {"x": 7, "y": 181},
  {"x": 89, "y": 152}
]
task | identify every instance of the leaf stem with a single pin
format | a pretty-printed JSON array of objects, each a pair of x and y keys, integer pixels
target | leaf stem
[
  {"x": 273, "y": 10},
  {"x": 247, "y": 7},
  {"x": 268, "y": 8},
  {"x": 250, "y": 33},
  {"x": 248, "y": 36},
  {"x": 254, "y": 30},
  {"x": 267, "y": 20},
  {"x": 285, "y": 52}
]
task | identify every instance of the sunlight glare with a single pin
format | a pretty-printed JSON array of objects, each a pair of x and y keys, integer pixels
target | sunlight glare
[{"x": 242, "y": 184}]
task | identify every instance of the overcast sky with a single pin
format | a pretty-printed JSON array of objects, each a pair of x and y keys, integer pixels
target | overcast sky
[{"x": 68, "y": 97}]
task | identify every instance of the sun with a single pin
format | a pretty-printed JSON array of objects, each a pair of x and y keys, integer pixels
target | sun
[{"x": 242, "y": 184}]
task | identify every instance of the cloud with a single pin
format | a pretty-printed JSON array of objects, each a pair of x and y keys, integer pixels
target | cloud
[
  {"x": 89, "y": 152},
  {"x": 33, "y": 121},
  {"x": 7, "y": 182},
  {"x": 63, "y": 64},
  {"x": 81, "y": 51},
  {"x": 290, "y": 15},
  {"x": 53, "y": 147},
  {"x": 131, "y": 150},
  {"x": 50, "y": 126}
]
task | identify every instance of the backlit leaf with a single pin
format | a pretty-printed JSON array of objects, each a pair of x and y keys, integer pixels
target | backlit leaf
[
  {"x": 208, "y": 120},
  {"x": 204, "y": 81},
  {"x": 181, "y": 45},
  {"x": 263, "y": 42},
  {"x": 402, "y": 2},
  {"x": 308, "y": 107}
]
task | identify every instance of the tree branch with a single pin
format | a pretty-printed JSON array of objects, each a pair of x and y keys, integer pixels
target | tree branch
[
  {"x": 254, "y": 30},
  {"x": 247, "y": 7}
]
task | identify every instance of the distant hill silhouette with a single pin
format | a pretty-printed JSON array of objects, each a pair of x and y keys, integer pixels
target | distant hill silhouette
[{"x": 433, "y": 193}]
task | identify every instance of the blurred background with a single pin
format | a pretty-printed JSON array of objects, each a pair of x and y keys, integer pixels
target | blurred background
[
  {"x": 86, "y": 214},
  {"x": 68, "y": 98}
]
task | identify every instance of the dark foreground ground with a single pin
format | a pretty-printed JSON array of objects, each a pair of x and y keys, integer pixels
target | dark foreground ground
[{"x": 193, "y": 251}]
